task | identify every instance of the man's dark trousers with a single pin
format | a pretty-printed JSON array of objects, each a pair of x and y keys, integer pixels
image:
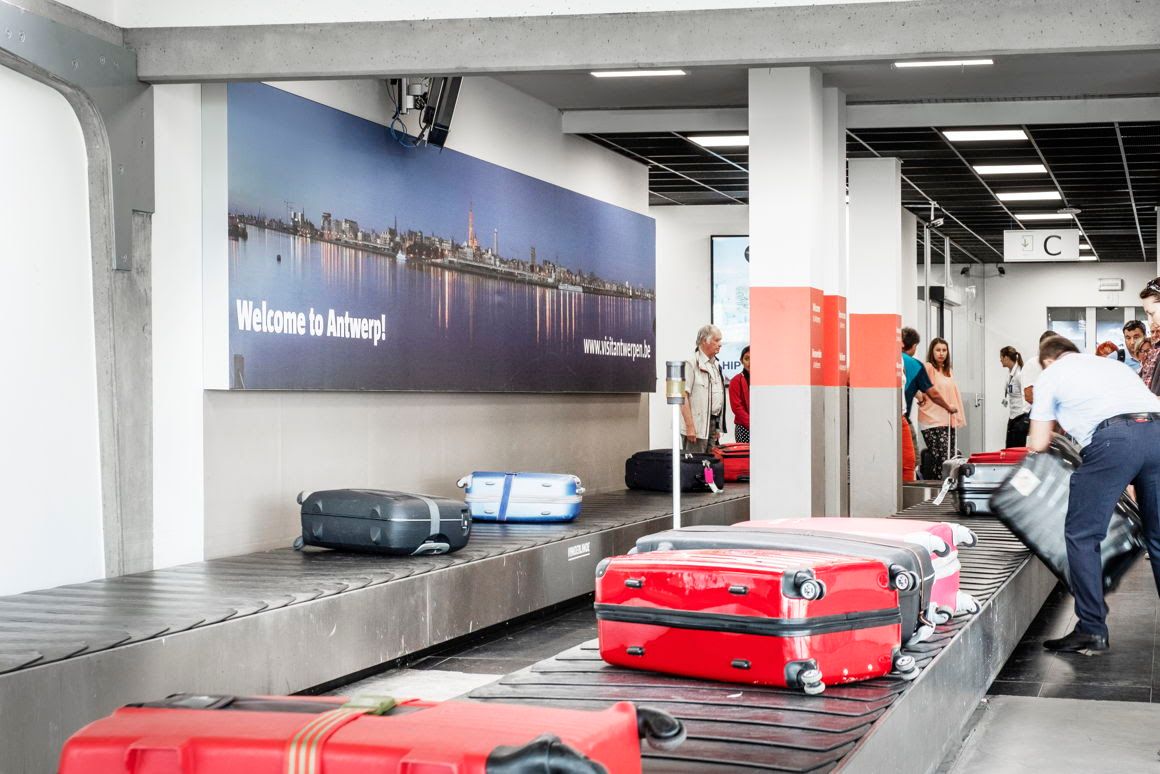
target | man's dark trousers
[{"x": 1121, "y": 453}]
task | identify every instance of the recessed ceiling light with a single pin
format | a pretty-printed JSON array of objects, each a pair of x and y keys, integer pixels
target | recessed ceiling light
[
  {"x": 984, "y": 135},
  {"x": 1043, "y": 216},
  {"x": 1010, "y": 169},
  {"x": 636, "y": 73},
  {"x": 1029, "y": 196},
  {"x": 946, "y": 63},
  {"x": 720, "y": 140},
  {"x": 1085, "y": 247}
]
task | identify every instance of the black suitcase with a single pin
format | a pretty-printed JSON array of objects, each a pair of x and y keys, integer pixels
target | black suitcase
[
  {"x": 918, "y": 614},
  {"x": 1032, "y": 503},
  {"x": 653, "y": 470},
  {"x": 382, "y": 522}
]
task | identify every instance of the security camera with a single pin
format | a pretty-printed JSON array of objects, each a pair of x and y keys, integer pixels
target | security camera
[
  {"x": 937, "y": 222},
  {"x": 1002, "y": 272},
  {"x": 966, "y": 270}
]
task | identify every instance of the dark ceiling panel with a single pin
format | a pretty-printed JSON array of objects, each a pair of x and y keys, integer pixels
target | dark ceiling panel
[{"x": 1085, "y": 159}]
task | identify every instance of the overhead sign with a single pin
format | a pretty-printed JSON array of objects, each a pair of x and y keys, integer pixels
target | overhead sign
[{"x": 1041, "y": 244}]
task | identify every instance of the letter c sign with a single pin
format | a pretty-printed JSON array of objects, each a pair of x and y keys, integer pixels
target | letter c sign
[{"x": 1047, "y": 244}]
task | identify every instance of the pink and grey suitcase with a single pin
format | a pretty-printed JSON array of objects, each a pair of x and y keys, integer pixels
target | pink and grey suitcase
[{"x": 941, "y": 538}]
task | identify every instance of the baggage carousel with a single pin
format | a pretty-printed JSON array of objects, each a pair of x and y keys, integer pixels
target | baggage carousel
[
  {"x": 875, "y": 726},
  {"x": 280, "y": 622}
]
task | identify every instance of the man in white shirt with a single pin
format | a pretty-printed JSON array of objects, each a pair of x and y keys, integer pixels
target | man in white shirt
[{"x": 1116, "y": 421}]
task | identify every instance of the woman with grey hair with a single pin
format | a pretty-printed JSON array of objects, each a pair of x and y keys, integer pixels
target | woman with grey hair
[{"x": 703, "y": 412}]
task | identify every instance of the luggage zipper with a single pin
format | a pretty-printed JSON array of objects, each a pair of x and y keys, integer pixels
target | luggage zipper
[{"x": 741, "y": 624}]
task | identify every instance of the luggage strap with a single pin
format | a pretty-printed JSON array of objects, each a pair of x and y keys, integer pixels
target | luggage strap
[
  {"x": 304, "y": 750},
  {"x": 506, "y": 496},
  {"x": 433, "y": 509}
]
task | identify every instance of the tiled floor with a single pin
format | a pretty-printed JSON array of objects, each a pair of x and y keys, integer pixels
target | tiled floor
[{"x": 1129, "y": 671}]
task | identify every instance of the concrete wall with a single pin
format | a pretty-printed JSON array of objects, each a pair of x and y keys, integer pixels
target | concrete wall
[
  {"x": 1016, "y": 314},
  {"x": 261, "y": 448},
  {"x": 50, "y": 455},
  {"x": 150, "y": 13},
  {"x": 684, "y": 300}
]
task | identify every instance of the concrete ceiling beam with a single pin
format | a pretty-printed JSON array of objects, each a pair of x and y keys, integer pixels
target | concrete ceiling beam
[{"x": 749, "y": 37}]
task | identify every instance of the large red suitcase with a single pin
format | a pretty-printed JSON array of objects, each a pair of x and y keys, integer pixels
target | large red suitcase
[
  {"x": 187, "y": 734},
  {"x": 735, "y": 457},
  {"x": 794, "y": 619}
]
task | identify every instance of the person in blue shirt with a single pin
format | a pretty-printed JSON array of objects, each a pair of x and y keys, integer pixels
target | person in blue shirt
[
  {"x": 1134, "y": 335},
  {"x": 916, "y": 381},
  {"x": 1115, "y": 419}
]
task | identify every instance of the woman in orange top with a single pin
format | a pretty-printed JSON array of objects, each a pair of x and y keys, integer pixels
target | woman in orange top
[{"x": 934, "y": 421}]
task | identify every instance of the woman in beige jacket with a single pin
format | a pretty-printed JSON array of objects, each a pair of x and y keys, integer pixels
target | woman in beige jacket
[{"x": 934, "y": 421}]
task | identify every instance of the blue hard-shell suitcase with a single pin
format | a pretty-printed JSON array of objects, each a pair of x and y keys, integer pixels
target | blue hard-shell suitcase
[{"x": 522, "y": 497}]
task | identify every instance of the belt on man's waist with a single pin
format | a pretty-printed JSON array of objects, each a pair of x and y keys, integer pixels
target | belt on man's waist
[{"x": 1127, "y": 419}]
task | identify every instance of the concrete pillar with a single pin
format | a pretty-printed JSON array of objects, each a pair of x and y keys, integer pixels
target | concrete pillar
[
  {"x": 875, "y": 304},
  {"x": 835, "y": 371},
  {"x": 786, "y": 299},
  {"x": 912, "y": 310}
]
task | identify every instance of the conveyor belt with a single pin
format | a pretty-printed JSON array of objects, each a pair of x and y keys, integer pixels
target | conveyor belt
[
  {"x": 39, "y": 627},
  {"x": 740, "y": 727},
  {"x": 283, "y": 621}
]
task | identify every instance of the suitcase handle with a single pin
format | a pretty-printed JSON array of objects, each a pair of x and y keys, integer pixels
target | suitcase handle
[{"x": 153, "y": 750}]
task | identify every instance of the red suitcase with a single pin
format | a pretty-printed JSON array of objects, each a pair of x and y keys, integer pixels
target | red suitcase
[
  {"x": 735, "y": 456},
  {"x": 187, "y": 734},
  {"x": 787, "y": 618},
  {"x": 1008, "y": 456}
]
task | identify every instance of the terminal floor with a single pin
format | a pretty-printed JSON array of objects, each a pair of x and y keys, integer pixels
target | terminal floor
[
  {"x": 1129, "y": 671},
  {"x": 1095, "y": 714}
]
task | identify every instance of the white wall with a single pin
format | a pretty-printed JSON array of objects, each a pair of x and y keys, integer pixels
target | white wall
[
  {"x": 178, "y": 492},
  {"x": 50, "y": 455},
  {"x": 1016, "y": 314},
  {"x": 261, "y": 448},
  {"x": 684, "y": 300}
]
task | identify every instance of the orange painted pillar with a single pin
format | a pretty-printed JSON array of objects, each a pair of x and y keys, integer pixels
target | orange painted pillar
[
  {"x": 786, "y": 300},
  {"x": 875, "y": 317}
]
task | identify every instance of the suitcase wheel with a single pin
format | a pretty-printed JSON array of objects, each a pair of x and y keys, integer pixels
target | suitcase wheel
[
  {"x": 963, "y": 536},
  {"x": 660, "y": 729},
  {"x": 298, "y": 543},
  {"x": 812, "y": 589},
  {"x": 901, "y": 579},
  {"x": 812, "y": 682},
  {"x": 905, "y": 667},
  {"x": 967, "y": 603},
  {"x": 968, "y": 508},
  {"x": 921, "y": 634}
]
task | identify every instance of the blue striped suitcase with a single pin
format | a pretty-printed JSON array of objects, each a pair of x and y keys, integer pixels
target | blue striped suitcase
[{"x": 522, "y": 497}]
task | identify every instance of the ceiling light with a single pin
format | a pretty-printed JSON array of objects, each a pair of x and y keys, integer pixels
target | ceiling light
[
  {"x": 1010, "y": 169},
  {"x": 1029, "y": 196},
  {"x": 983, "y": 135},
  {"x": 720, "y": 140},
  {"x": 1043, "y": 216},
  {"x": 1085, "y": 247},
  {"x": 946, "y": 63},
  {"x": 635, "y": 73}
]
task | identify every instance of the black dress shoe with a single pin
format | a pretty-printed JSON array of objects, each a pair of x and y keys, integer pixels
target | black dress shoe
[{"x": 1078, "y": 642}]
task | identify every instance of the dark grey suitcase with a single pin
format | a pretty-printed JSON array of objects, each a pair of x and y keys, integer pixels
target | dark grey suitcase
[
  {"x": 383, "y": 522},
  {"x": 901, "y": 559},
  {"x": 1032, "y": 503}
]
